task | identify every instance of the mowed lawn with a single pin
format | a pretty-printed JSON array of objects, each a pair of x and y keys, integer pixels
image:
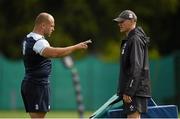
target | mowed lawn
[{"x": 51, "y": 114}]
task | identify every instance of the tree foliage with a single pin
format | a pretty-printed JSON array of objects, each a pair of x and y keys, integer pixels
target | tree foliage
[{"x": 79, "y": 20}]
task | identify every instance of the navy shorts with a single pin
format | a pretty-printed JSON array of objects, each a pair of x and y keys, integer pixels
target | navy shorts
[
  {"x": 138, "y": 104},
  {"x": 35, "y": 96}
]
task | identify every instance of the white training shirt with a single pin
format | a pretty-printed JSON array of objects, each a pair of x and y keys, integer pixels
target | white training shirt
[{"x": 41, "y": 43}]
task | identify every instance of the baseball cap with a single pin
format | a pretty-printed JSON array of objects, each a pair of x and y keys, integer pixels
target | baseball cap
[{"x": 126, "y": 14}]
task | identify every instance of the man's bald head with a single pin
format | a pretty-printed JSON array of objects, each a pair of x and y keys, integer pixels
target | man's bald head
[
  {"x": 44, "y": 24},
  {"x": 43, "y": 18}
]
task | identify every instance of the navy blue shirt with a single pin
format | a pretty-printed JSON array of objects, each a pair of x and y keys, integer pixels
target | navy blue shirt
[{"x": 37, "y": 67}]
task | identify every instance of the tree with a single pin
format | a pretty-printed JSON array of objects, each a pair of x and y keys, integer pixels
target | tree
[{"x": 79, "y": 20}]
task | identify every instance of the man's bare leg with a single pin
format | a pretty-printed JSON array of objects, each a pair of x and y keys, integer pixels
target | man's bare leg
[
  {"x": 37, "y": 115},
  {"x": 135, "y": 115}
]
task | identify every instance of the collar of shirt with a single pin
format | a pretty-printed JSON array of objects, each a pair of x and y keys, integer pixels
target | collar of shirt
[{"x": 35, "y": 36}]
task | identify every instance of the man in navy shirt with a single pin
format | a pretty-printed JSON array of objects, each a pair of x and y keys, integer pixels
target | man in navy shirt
[{"x": 36, "y": 53}]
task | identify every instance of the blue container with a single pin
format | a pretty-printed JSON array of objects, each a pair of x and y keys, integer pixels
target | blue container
[{"x": 113, "y": 109}]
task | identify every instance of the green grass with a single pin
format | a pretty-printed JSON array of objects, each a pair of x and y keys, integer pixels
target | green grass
[{"x": 51, "y": 114}]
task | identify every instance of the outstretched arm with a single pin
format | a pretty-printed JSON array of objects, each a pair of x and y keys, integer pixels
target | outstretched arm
[{"x": 53, "y": 52}]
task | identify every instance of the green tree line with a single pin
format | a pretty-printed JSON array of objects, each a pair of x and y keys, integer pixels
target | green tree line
[{"x": 79, "y": 20}]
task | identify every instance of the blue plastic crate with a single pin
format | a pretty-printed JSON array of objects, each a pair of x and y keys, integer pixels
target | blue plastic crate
[
  {"x": 113, "y": 109},
  {"x": 164, "y": 111}
]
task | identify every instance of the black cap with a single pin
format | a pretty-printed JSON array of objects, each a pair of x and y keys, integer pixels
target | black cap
[{"x": 126, "y": 14}]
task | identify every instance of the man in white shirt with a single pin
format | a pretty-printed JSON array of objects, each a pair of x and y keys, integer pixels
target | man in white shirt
[{"x": 35, "y": 88}]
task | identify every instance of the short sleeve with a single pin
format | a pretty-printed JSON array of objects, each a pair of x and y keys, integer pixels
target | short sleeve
[{"x": 40, "y": 45}]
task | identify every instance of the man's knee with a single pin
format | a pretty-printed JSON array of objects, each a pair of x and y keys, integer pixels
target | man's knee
[
  {"x": 134, "y": 115},
  {"x": 37, "y": 114}
]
